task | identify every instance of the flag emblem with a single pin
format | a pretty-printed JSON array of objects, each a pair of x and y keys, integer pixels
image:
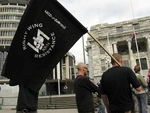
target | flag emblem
[{"x": 38, "y": 41}]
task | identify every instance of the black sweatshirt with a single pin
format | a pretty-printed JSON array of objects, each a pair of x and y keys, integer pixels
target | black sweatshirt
[{"x": 83, "y": 89}]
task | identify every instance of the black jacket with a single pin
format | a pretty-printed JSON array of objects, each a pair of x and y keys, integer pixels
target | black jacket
[{"x": 83, "y": 89}]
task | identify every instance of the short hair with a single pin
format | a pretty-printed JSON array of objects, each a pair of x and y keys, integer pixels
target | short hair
[
  {"x": 137, "y": 68},
  {"x": 81, "y": 65},
  {"x": 117, "y": 57}
]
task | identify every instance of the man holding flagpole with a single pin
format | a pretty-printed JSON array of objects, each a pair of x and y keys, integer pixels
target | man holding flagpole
[
  {"x": 45, "y": 34},
  {"x": 116, "y": 87}
]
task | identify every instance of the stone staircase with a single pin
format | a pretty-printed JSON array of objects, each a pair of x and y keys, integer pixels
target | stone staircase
[
  {"x": 43, "y": 102},
  {"x": 61, "y": 102},
  {"x": 57, "y": 102}
]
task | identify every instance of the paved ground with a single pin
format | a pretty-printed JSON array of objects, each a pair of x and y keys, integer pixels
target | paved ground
[
  {"x": 46, "y": 111},
  {"x": 53, "y": 111}
]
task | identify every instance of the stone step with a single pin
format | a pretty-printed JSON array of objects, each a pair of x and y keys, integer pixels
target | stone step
[
  {"x": 57, "y": 102},
  {"x": 61, "y": 106},
  {"x": 61, "y": 102}
]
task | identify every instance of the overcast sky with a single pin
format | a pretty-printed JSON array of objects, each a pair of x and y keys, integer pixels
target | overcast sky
[{"x": 92, "y": 12}]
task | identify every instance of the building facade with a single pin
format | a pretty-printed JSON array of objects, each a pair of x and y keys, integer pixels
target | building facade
[
  {"x": 117, "y": 38},
  {"x": 63, "y": 74},
  {"x": 11, "y": 12}
]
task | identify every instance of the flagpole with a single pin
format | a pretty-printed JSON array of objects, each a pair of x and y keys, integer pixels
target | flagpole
[
  {"x": 83, "y": 49},
  {"x": 136, "y": 39},
  {"x": 132, "y": 8},
  {"x": 137, "y": 48},
  {"x": 104, "y": 49}
]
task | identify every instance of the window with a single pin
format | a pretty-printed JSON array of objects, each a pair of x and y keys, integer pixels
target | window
[
  {"x": 64, "y": 60},
  {"x": 70, "y": 61},
  {"x": 119, "y": 29},
  {"x": 141, "y": 47},
  {"x": 136, "y": 26},
  {"x": 123, "y": 49},
  {"x": 101, "y": 50},
  {"x": 126, "y": 63},
  {"x": 103, "y": 66},
  {"x": 143, "y": 63}
]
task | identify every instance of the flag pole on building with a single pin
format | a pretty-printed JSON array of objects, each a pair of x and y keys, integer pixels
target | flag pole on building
[{"x": 136, "y": 44}]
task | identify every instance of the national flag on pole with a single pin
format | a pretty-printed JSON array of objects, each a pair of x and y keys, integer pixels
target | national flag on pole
[
  {"x": 133, "y": 44},
  {"x": 148, "y": 72},
  {"x": 45, "y": 34}
]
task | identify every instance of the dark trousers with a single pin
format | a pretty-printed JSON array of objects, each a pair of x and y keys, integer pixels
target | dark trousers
[{"x": 27, "y": 100}]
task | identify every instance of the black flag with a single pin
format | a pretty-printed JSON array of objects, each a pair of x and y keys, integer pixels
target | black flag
[{"x": 45, "y": 34}]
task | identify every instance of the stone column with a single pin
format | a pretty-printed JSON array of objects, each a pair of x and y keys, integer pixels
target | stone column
[
  {"x": 131, "y": 57},
  {"x": 115, "y": 50},
  {"x": 148, "y": 49}
]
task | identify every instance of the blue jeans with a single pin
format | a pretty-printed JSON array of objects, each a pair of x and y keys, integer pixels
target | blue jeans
[
  {"x": 101, "y": 107},
  {"x": 142, "y": 102}
]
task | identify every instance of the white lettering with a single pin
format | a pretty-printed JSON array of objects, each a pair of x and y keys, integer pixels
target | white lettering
[
  {"x": 55, "y": 19},
  {"x": 38, "y": 25}
]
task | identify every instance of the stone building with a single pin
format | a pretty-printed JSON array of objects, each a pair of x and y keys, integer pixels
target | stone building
[
  {"x": 116, "y": 38},
  {"x": 11, "y": 12}
]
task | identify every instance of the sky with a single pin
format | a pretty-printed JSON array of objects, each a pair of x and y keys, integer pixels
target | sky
[{"x": 92, "y": 12}]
